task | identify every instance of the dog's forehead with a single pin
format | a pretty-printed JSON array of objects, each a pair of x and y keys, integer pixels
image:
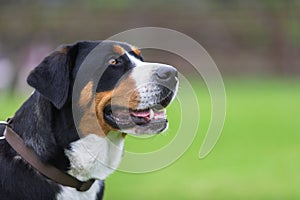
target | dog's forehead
[
  {"x": 101, "y": 51},
  {"x": 122, "y": 48},
  {"x": 119, "y": 48},
  {"x": 106, "y": 47}
]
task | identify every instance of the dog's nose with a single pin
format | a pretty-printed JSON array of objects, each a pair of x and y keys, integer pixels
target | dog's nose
[
  {"x": 167, "y": 76},
  {"x": 166, "y": 73}
]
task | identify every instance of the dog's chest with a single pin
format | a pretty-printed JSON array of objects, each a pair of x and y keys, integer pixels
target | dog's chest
[{"x": 93, "y": 157}]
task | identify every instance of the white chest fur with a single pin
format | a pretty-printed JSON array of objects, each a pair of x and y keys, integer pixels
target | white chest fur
[{"x": 93, "y": 157}]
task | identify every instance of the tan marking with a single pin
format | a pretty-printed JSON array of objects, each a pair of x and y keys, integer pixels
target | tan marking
[
  {"x": 63, "y": 49},
  {"x": 136, "y": 50},
  {"x": 86, "y": 94},
  {"x": 101, "y": 100},
  {"x": 118, "y": 49},
  {"x": 124, "y": 95},
  {"x": 89, "y": 123}
]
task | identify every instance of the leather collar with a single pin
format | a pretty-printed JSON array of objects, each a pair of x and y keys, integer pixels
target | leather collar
[{"x": 51, "y": 172}]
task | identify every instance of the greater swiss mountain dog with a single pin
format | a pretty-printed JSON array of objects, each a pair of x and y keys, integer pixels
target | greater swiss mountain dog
[{"x": 120, "y": 94}]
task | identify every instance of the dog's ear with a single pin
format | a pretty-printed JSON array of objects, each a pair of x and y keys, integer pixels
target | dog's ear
[{"x": 51, "y": 77}]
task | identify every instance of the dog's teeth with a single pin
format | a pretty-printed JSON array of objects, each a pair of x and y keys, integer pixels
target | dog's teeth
[{"x": 151, "y": 114}]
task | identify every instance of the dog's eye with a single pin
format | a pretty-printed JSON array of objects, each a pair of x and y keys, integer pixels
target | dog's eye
[{"x": 113, "y": 61}]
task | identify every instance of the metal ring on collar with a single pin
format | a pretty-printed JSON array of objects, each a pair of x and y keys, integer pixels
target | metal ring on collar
[{"x": 6, "y": 124}]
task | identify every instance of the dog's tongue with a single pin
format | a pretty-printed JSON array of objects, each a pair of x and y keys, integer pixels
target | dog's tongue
[{"x": 143, "y": 113}]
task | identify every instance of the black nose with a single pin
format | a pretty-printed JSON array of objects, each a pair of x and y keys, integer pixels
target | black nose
[
  {"x": 167, "y": 76},
  {"x": 166, "y": 73}
]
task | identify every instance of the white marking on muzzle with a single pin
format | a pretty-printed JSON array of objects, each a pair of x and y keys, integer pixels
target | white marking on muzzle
[{"x": 144, "y": 76}]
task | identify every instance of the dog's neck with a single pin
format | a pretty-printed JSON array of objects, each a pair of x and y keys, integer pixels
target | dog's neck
[
  {"x": 94, "y": 156},
  {"x": 37, "y": 123},
  {"x": 44, "y": 129}
]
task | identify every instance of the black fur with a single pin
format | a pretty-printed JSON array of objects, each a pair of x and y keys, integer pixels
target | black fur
[
  {"x": 57, "y": 75},
  {"x": 45, "y": 121}
]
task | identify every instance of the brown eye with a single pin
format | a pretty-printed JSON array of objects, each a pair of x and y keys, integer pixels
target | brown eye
[{"x": 113, "y": 61}]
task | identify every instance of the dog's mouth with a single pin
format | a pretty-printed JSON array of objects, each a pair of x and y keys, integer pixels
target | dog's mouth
[
  {"x": 150, "y": 119},
  {"x": 124, "y": 118}
]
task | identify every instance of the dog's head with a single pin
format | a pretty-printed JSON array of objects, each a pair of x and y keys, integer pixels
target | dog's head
[{"x": 124, "y": 93}]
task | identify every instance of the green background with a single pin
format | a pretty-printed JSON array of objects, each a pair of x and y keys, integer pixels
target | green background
[{"x": 256, "y": 157}]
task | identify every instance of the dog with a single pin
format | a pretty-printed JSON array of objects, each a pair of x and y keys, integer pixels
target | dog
[{"x": 78, "y": 116}]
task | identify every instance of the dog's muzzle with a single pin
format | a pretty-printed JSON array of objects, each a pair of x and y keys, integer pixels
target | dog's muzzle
[{"x": 156, "y": 86}]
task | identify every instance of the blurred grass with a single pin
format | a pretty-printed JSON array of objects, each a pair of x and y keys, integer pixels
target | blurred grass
[
  {"x": 9, "y": 104},
  {"x": 257, "y": 156}
]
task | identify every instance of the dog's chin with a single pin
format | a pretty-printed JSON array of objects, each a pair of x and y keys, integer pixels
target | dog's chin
[
  {"x": 136, "y": 122},
  {"x": 150, "y": 129}
]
